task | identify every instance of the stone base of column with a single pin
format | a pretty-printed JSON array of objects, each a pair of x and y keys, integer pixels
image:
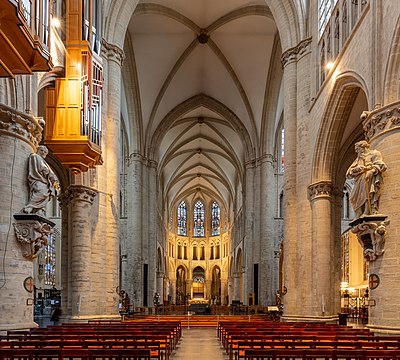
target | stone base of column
[
  {"x": 331, "y": 319},
  {"x": 18, "y": 326},
  {"x": 392, "y": 330}
]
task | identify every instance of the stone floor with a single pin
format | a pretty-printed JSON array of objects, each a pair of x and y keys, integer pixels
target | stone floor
[{"x": 199, "y": 344}]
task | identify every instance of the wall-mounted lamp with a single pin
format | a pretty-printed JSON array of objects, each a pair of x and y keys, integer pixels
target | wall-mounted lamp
[
  {"x": 330, "y": 65},
  {"x": 55, "y": 22}
]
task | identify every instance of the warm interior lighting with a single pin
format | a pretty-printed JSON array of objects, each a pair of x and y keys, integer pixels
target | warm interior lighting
[
  {"x": 330, "y": 65},
  {"x": 56, "y": 22},
  {"x": 344, "y": 285}
]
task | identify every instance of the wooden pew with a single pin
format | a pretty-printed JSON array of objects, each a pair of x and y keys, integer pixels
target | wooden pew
[{"x": 69, "y": 354}]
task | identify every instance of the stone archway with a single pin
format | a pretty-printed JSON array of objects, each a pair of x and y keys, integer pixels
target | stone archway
[
  {"x": 198, "y": 283},
  {"x": 340, "y": 128}
]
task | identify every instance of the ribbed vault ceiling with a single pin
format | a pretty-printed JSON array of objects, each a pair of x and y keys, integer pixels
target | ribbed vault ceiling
[{"x": 200, "y": 69}]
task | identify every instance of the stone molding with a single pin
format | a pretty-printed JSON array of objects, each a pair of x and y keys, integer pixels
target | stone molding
[
  {"x": 78, "y": 193},
  {"x": 23, "y": 126},
  {"x": 295, "y": 52},
  {"x": 32, "y": 233},
  {"x": 135, "y": 157},
  {"x": 381, "y": 120},
  {"x": 113, "y": 52},
  {"x": 142, "y": 159},
  {"x": 266, "y": 158},
  {"x": 321, "y": 189}
]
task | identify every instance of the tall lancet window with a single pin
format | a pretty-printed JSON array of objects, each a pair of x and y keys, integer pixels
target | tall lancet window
[
  {"x": 215, "y": 219},
  {"x": 198, "y": 220},
  {"x": 182, "y": 219},
  {"x": 50, "y": 258}
]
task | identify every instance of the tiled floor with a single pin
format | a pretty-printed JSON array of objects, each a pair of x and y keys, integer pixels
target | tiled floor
[{"x": 199, "y": 344}]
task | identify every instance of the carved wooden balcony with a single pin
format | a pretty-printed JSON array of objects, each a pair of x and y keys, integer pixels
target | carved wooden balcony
[
  {"x": 73, "y": 112},
  {"x": 24, "y": 41}
]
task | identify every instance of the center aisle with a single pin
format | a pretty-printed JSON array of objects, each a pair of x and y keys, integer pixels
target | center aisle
[{"x": 199, "y": 344}]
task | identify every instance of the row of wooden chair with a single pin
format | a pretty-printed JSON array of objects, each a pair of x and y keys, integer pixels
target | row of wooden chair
[
  {"x": 318, "y": 354},
  {"x": 123, "y": 339},
  {"x": 303, "y": 340},
  {"x": 70, "y": 354}
]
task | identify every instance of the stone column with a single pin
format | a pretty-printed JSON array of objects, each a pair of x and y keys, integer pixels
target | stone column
[
  {"x": 224, "y": 291},
  {"x": 231, "y": 289},
  {"x": 81, "y": 272},
  {"x": 321, "y": 195},
  {"x": 19, "y": 136},
  {"x": 152, "y": 224},
  {"x": 207, "y": 289},
  {"x": 65, "y": 298},
  {"x": 294, "y": 270},
  {"x": 289, "y": 188},
  {"x": 113, "y": 57},
  {"x": 236, "y": 290},
  {"x": 172, "y": 290},
  {"x": 250, "y": 240},
  {"x": 382, "y": 130},
  {"x": 160, "y": 285},
  {"x": 267, "y": 283},
  {"x": 189, "y": 290},
  {"x": 134, "y": 246}
]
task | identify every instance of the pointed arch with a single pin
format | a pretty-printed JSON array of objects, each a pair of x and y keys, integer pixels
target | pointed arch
[
  {"x": 291, "y": 25},
  {"x": 182, "y": 218},
  {"x": 199, "y": 219},
  {"x": 194, "y": 102},
  {"x": 337, "y": 110},
  {"x": 215, "y": 219}
]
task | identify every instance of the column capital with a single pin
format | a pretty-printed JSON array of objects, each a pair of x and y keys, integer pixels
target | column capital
[
  {"x": 381, "y": 120},
  {"x": 21, "y": 125},
  {"x": 293, "y": 53},
  {"x": 113, "y": 52},
  {"x": 135, "y": 156},
  {"x": 322, "y": 189},
  {"x": 78, "y": 192}
]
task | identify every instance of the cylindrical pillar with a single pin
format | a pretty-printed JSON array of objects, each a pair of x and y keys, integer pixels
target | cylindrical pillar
[
  {"x": 134, "y": 246},
  {"x": 81, "y": 199},
  {"x": 267, "y": 284},
  {"x": 110, "y": 179},
  {"x": 289, "y": 188},
  {"x": 19, "y": 137},
  {"x": 383, "y": 132},
  {"x": 236, "y": 290},
  {"x": 152, "y": 224},
  {"x": 321, "y": 197}
]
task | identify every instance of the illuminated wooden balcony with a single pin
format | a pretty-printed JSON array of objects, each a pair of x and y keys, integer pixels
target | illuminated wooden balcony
[
  {"x": 73, "y": 104},
  {"x": 73, "y": 113},
  {"x": 24, "y": 37}
]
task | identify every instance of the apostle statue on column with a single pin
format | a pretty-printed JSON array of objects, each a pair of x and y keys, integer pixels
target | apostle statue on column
[
  {"x": 366, "y": 171},
  {"x": 43, "y": 183}
]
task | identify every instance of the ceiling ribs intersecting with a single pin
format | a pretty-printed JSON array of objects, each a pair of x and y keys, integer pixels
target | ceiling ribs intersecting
[{"x": 201, "y": 72}]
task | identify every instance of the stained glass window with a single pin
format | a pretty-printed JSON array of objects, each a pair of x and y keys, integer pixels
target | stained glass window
[
  {"x": 182, "y": 219},
  {"x": 215, "y": 219},
  {"x": 50, "y": 260},
  {"x": 198, "y": 220}
]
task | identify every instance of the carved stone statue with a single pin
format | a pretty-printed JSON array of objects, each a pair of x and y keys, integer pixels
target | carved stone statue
[
  {"x": 43, "y": 183},
  {"x": 366, "y": 171}
]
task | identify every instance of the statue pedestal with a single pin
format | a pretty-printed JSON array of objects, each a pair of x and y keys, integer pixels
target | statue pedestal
[
  {"x": 370, "y": 231},
  {"x": 32, "y": 231}
]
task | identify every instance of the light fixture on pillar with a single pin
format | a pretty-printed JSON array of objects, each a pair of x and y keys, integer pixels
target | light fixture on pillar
[{"x": 329, "y": 65}]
